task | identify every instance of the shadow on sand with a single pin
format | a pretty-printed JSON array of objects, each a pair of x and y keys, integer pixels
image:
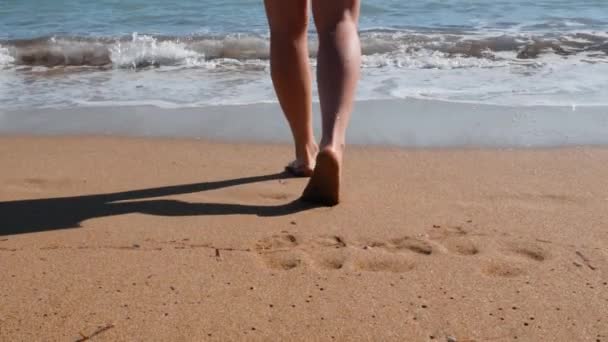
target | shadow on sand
[{"x": 37, "y": 215}]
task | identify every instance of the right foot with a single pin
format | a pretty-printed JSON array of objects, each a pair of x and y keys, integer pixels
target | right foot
[{"x": 324, "y": 185}]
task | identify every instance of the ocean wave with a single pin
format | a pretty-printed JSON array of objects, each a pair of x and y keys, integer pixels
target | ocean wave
[
  {"x": 143, "y": 51},
  {"x": 5, "y": 57},
  {"x": 380, "y": 48}
]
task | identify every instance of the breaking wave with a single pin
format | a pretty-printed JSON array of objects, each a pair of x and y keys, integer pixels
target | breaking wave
[
  {"x": 5, "y": 57},
  {"x": 404, "y": 49}
]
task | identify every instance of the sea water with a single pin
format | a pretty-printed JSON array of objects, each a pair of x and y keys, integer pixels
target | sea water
[{"x": 190, "y": 54}]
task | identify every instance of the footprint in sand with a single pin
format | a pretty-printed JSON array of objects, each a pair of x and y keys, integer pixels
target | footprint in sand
[
  {"x": 454, "y": 240},
  {"x": 285, "y": 251},
  {"x": 527, "y": 250},
  {"x": 510, "y": 259},
  {"x": 283, "y": 241},
  {"x": 516, "y": 258},
  {"x": 280, "y": 251},
  {"x": 411, "y": 244},
  {"x": 332, "y": 260},
  {"x": 370, "y": 255},
  {"x": 360, "y": 259},
  {"x": 284, "y": 260},
  {"x": 462, "y": 246},
  {"x": 331, "y": 241}
]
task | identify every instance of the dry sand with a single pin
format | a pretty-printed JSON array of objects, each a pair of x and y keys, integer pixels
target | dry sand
[{"x": 114, "y": 239}]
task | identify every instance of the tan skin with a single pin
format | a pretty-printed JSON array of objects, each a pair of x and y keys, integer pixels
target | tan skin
[{"x": 338, "y": 63}]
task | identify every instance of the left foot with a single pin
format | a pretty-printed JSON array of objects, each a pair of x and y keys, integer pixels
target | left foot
[
  {"x": 298, "y": 169},
  {"x": 304, "y": 164}
]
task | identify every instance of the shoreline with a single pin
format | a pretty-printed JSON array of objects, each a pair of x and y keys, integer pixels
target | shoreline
[
  {"x": 179, "y": 239},
  {"x": 400, "y": 123}
]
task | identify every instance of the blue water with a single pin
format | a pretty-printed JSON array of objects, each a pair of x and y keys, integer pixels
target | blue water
[
  {"x": 193, "y": 53},
  {"x": 35, "y": 18}
]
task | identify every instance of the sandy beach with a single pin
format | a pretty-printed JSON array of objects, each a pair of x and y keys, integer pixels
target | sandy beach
[
  {"x": 144, "y": 197},
  {"x": 123, "y": 239}
]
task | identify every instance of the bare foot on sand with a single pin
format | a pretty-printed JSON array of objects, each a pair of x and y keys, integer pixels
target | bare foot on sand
[
  {"x": 299, "y": 169},
  {"x": 304, "y": 164},
  {"x": 324, "y": 185}
]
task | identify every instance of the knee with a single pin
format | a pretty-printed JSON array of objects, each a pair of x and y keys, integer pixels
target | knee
[
  {"x": 290, "y": 32},
  {"x": 343, "y": 24},
  {"x": 288, "y": 39}
]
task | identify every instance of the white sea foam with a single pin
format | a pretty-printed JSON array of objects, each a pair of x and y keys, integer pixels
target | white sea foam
[
  {"x": 427, "y": 59},
  {"x": 396, "y": 47},
  {"x": 145, "y": 50},
  {"x": 5, "y": 57},
  {"x": 489, "y": 67}
]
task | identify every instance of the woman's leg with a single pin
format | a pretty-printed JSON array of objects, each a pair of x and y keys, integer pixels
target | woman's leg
[
  {"x": 339, "y": 60},
  {"x": 290, "y": 70}
]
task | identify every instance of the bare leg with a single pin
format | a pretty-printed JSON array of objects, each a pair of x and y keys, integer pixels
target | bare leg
[
  {"x": 339, "y": 60},
  {"x": 290, "y": 70}
]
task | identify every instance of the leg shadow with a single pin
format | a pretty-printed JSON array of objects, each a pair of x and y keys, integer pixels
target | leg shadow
[{"x": 38, "y": 215}]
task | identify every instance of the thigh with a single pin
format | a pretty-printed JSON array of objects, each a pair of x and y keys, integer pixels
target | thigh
[
  {"x": 287, "y": 16},
  {"x": 329, "y": 13}
]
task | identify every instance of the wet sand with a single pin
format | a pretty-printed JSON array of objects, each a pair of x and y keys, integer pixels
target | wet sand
[
  {"x": 169, "y": 239},
  {"x": 395, "y": 122}
]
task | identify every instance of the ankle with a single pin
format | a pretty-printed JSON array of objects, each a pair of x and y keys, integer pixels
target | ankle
[
  {"x": 306, "y": 153},
  {"x": 334, "y": 146}
]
